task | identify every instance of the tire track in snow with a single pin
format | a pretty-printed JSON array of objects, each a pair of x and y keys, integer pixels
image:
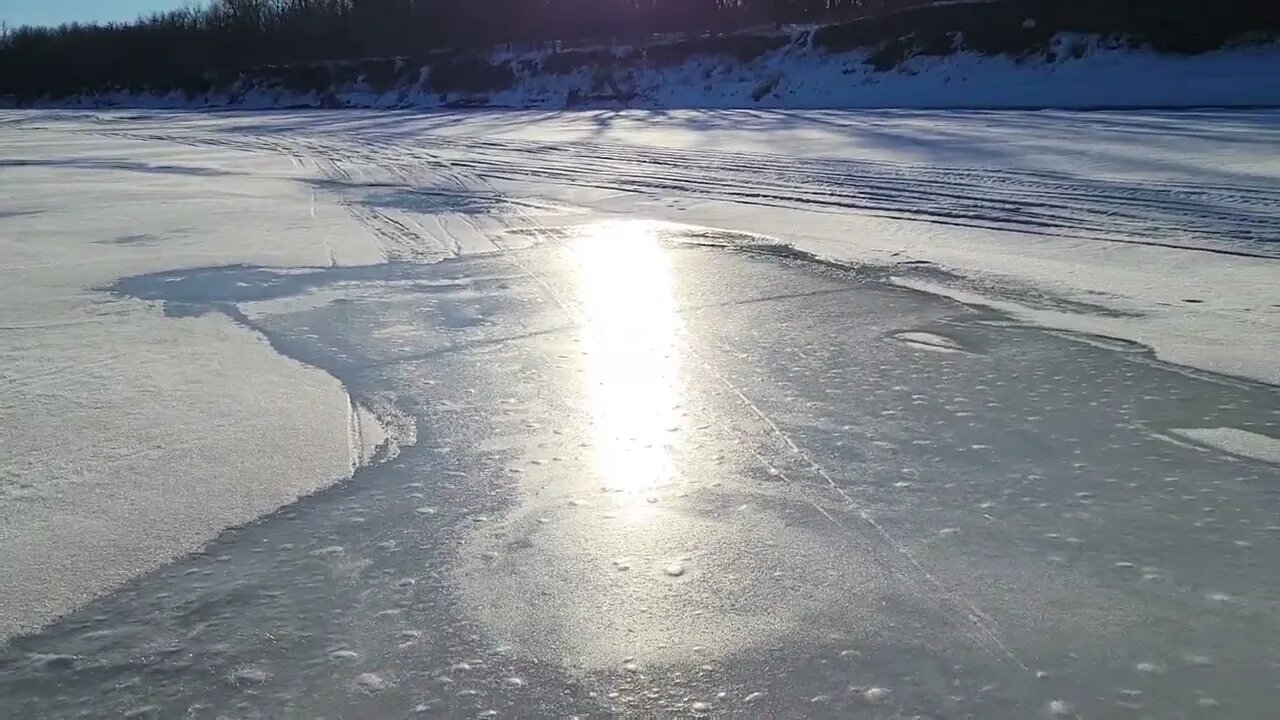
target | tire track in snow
[
  {"x": 397, "y": 241},
  {"x": 1209, "y": 217},
  {"x": 403, "y": 238},
  {"x": 1217, "y": 218}
]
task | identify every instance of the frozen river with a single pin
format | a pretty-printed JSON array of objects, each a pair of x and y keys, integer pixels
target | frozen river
[{"x": 345, "y": 415}]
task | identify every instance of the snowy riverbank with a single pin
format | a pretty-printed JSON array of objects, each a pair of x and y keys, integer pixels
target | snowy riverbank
[{"x": 791, "y": 71}]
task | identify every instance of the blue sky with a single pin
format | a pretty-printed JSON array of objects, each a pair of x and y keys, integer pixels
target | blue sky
[{"x": 54, "y": 12}]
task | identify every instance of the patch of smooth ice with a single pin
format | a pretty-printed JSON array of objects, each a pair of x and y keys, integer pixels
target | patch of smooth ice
[{"x": 1235, "y": 441}]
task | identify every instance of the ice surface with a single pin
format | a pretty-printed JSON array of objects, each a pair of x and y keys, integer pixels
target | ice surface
[
  {"x": 814, "y": 515},
  {"x": 603, "y": 468}
]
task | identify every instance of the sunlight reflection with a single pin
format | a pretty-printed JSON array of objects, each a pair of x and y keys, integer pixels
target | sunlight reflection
[{"x": 631, "y": 335}]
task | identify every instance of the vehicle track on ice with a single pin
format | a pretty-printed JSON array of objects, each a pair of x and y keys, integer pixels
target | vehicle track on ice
[
  {"x": 1210, "y": 217},
  {"x": 400, "y": 236}
]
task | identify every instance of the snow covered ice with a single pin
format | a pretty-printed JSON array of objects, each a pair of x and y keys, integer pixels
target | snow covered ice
[{"x": 851, "y": 414}]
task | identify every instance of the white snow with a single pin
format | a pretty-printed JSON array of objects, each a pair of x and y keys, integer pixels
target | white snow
[{"x": 1235, "y": 441}]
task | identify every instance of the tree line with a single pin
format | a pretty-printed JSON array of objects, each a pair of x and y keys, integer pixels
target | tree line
[{"x": 225, "y": 35}]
